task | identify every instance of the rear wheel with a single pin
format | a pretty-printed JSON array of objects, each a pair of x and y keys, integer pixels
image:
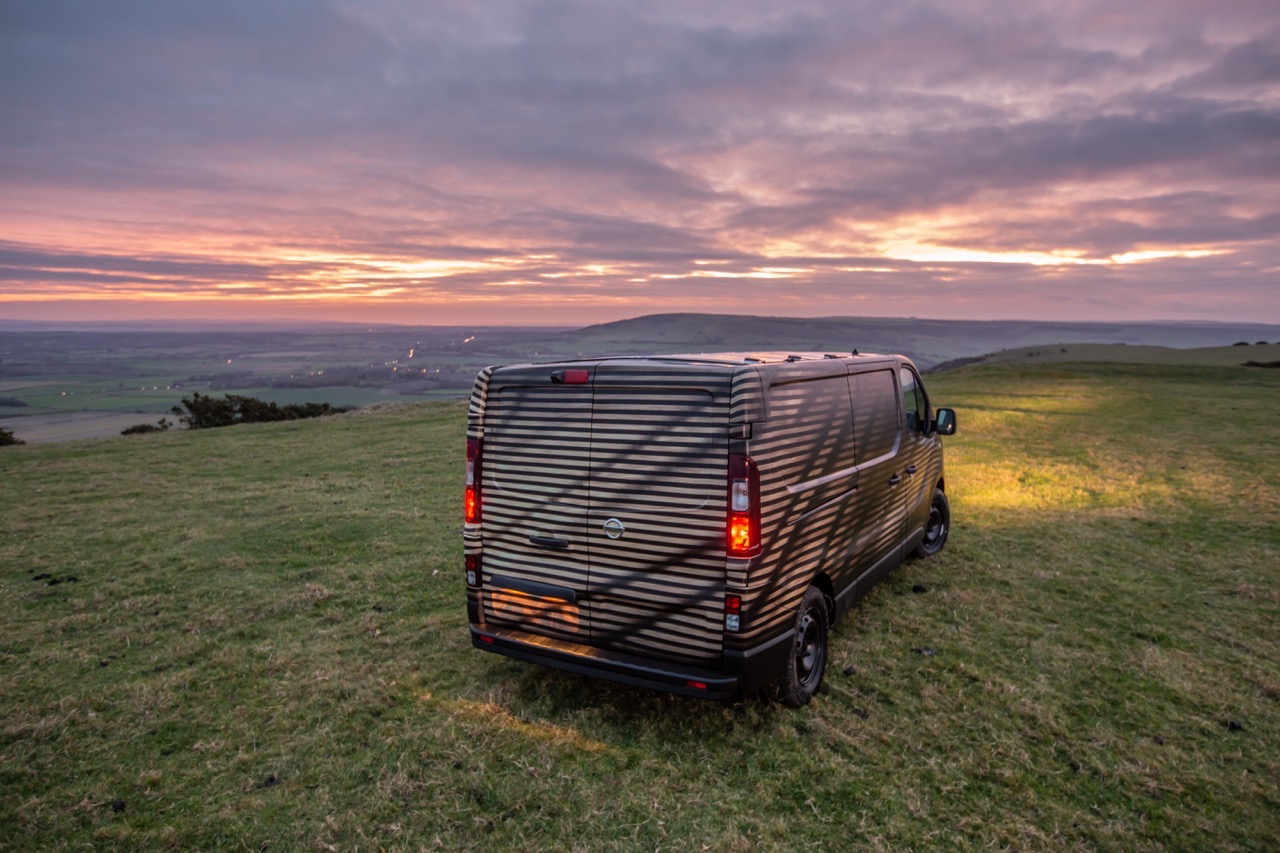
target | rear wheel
[
  {"x": 809, "y": 654},
  {"x": 938, "y": 526}
]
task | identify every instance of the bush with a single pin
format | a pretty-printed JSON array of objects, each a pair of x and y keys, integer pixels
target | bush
[
  {"x": 137, "y": 429},
  {"x": 204, "y": 412},
  {"x": 7, "y": 438}
]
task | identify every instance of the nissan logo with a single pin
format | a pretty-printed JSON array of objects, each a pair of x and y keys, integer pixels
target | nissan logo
[{"x": 613, "y": 528}]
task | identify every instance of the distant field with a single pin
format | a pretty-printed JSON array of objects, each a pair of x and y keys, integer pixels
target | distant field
[
  {"x": 70, "y": 425},
  {"x": 63, "y": 374},
  {"x": 76, "y": 383},
  {"x": 86, "y": 412},
  {"x": 255, "y": 638}
]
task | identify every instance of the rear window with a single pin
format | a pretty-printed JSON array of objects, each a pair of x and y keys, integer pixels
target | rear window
[
  {"x": 662, "y": 445},
  {"x": 537, "y": 441}
]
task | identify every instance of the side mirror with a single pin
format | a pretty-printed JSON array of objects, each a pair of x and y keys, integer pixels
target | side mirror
[{"x": 945, "y": 422}]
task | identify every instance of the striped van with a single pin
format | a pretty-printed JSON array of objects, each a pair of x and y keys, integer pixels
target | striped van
[{"x": 694, "y": 523}]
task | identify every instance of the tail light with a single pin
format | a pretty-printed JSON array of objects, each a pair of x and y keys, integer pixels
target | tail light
[
  {"x": 732, "y": 612},
  {"x": 472, "y": 513},
  {"x": 744, "y": 506}
]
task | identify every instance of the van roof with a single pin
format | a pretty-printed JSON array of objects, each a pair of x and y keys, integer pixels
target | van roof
[{"x": 728, "y": 358}]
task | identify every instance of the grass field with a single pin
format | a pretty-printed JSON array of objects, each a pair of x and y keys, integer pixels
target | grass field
[{"x": 256, "y": 638}]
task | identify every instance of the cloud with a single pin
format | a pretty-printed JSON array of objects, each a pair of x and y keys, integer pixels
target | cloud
[{"x": 562, "y": 149}]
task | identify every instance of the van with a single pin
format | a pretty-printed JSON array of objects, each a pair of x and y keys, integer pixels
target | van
[{"x": 694, "y": 523}]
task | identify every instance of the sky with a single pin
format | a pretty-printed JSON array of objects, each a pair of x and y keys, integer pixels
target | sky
[{"x": 564, "y": 162}]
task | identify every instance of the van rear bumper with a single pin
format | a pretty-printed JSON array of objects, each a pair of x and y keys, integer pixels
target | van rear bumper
[{"x": 743, "y": 671}]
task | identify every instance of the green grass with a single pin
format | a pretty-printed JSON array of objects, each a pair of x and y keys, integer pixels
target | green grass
[
  {"x": 265, "y": 646},
  {"x": 342, "y": 395}
]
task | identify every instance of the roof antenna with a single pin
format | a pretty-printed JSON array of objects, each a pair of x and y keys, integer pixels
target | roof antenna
[{"x": 855, "y": 352}]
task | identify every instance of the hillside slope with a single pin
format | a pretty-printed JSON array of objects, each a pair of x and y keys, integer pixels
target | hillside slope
[{"x": 256, "y": 637}]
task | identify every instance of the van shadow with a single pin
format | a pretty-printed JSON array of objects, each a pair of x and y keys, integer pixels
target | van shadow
[{"x": 620, "y": 714}]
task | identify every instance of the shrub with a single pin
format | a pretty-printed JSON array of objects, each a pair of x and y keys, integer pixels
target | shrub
[
  {"x": 204, "y": 412},
  {"x": 137, "y": 429},
  {"x": 7, "y": 438}
]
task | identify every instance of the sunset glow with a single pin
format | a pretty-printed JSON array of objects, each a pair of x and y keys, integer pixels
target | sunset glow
[{"x": 565, "y": 162}]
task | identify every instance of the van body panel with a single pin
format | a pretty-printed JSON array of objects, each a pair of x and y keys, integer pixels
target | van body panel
[
  {"x": 805, "y": 451},
  {"x": 603, "y": 534},
  {"x": 876, "y": 422},
  {"x": 856, "y": 591}
]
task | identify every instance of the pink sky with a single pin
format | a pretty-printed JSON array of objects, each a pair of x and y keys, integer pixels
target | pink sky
[{"x": 574, "y": 162}]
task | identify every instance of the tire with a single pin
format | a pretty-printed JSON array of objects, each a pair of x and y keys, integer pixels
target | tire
[
  {"x": 808, "y": 659},
  {"x": 938, "y": 526}
]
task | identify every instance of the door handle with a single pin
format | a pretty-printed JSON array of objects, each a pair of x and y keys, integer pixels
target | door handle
[
  {"x": 895, "y": 480},
  {"x": 549, "y": 542},
  {"x": 911, "y": 469}
]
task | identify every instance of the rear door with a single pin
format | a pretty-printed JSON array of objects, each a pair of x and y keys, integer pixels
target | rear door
[
  {"x": 537, "y": 445},
  {"x": 656, "y": 520}
]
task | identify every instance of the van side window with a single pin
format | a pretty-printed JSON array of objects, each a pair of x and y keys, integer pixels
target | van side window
[
  {"x": 913, "y": 403},
  {"x": 875, "y": 414},
  {"x": 816, "y": 408}
]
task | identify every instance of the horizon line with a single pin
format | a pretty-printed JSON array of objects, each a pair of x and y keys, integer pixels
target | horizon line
[{"x": 277, "y": 323}]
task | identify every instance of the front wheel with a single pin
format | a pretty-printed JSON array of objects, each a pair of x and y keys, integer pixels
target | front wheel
[
  {"x": 935, "y": 532},
  {"x": 809, "y": 655}
]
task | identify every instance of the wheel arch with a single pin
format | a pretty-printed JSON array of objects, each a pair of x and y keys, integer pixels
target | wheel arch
[{"x": 823, "y": 582}]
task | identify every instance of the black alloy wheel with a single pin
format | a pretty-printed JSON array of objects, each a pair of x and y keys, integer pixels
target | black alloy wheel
[{"x": 939, "y": 525}]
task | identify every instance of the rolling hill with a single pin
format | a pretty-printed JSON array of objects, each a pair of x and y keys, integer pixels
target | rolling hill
[{"x": 928, "y": 342}]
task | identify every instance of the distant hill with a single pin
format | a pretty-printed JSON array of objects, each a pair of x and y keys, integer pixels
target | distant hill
[
  {"x": 1263, "y": 355},
  {"x": 928, "y": 342}
]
